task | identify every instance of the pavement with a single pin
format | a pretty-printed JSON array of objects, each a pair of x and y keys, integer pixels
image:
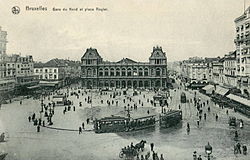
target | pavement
[{"x": 24, "y": 143}]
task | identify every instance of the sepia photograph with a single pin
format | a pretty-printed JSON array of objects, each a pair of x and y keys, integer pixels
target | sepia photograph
[{"x": 124, "y": 79}]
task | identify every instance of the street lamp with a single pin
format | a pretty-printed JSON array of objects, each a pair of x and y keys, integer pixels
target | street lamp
[
  {"x": 92, "y": 117},
  {"x": 208, "y": 150}
]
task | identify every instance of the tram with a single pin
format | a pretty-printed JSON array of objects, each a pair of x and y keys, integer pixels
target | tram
[
  {"x": 141, "y": 123},
  {"x": 111, "y": 124},
  {"x": 170, "y": 118},
  {"x": 115, "y": 124}
]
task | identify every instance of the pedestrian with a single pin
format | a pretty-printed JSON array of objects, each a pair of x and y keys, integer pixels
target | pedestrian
[
  {"x": 244, "y": 148},
  {"x": 43, "y": 123},
  {"x": 148, "y": 111},
  {"x": 198, "y": 122},
  {"x": 29, "y": 118},
  {"x": 208, "y": 109},
  {"x": 194, "y": 155},
  {"x": 38, "y": 128},
  {"x": 152, "y": 146},
  {"x": 156, "y": 156},
  {"x": 142, "y": 157},
  {"x": 205, "y": 116},
  {"x": 87, "y": 120},
  {"x": 153, "y": 155},
  {"x": 21, "y": 102},
  {"x": 216, "y": 117},
  {"x": 239, "y": 147},
  {"x": 80, "y": 130},
  {"x": 199, "y": 158},
  {"x": 200, "y": 117},
  {"x": 161, "y": 157},
  {"x": 74, "y": 108},
  {"x": 236, "y": 134},
  {"x": 137, "y": 156},
  {"x": 227, "y": 112}
]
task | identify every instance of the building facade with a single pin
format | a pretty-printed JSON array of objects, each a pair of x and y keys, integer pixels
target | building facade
[
  {"x": 16, "y": 73},
  {"x": 218, "y": 71},
  {"x": 57, "y": 72},
  {"x": 3, "y": 41},
  {"x": 196, "y": 71},
  {"x": 125, "y": 73},
  {"x": 229, "y": 70},
  {"x": 7, "y": 75},
  {"x": 242, "y": 44}
]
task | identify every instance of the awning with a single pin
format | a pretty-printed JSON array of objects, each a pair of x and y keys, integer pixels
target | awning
[
  {"x": 48, "y": 83},
  {"x": 32, "y": 87},
  {"x": 221, "y": 91},
  {"x": 239, "y": 99},
  {"x": 208, "y": 87},
  {"x": 7, "y": 81}
]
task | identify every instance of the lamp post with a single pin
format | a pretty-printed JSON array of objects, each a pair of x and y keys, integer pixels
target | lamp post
[
  {"x": 41, "y": 105},
  {"x": 91, "y": 102},
  {"x": 208, "y": 150}
]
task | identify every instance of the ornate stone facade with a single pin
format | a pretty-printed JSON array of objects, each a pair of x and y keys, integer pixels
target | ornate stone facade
[{"x": 125, "y": 73}]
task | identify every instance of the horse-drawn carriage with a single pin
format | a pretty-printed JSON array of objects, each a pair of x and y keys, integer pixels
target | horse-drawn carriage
[{"x": 130, "y": 152}]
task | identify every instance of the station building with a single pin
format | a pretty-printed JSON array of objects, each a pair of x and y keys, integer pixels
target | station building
[{"x": 126, "y": 73}]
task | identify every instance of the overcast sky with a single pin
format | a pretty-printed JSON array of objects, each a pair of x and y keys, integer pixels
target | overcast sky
[{"x": 130, "y": 28}]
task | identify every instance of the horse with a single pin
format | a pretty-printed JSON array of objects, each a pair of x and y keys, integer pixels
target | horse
[{"x": 140, "y": 146}]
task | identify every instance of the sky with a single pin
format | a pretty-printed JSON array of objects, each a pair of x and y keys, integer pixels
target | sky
[{"x": 129, "y": 28}]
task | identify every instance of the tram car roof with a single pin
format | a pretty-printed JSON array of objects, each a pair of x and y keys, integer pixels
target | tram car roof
[
  {"x": 145, "y": 117},
  {"x": 113, "y": 118},
  {"x": 172, "y": 112}
]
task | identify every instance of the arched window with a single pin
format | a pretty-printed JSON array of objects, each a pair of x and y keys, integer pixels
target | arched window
[
  {"x": 123, "y": 72},
  {"x": 140, "y": 72},
  {"x": 158, "y": 72},
  {"x": 146, "y": 72},
  {"x": 89, "y": 72},
  {"x": 118, "y": 71},
  {"x": 129, "y": 72},
  {"x": 112, "y": 72},
  {"x": 100, "y": 72},
  {"x": 106, "y": 72},
  {"x": 135, "y": 72}
]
